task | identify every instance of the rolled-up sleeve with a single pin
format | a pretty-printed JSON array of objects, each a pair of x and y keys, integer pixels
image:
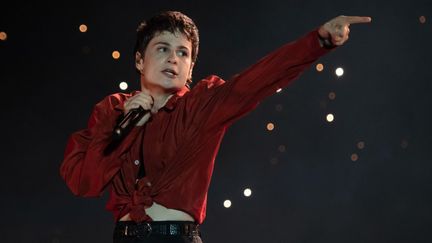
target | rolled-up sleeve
[{"x": 87, "y": 168}]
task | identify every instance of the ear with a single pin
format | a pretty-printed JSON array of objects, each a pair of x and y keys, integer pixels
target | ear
[
  {"x": 139, "y": 62},
  {"x": 190, "y": 70}
]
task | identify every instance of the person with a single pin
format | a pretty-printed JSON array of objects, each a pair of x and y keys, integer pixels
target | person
[{"x": 158, "y": 173}]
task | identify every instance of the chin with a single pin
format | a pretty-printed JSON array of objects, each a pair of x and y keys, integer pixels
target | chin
[
  {"x": 173, "y": 85},
  {"x": 168, "y": 85}
]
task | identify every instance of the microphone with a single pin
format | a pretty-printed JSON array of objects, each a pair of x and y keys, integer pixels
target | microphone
[{"x": 128, "y": 122}]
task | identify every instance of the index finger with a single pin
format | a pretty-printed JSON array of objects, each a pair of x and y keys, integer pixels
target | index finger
[
  {"x": 358, "y": 19},
  {"x": 145, "y": 94}
]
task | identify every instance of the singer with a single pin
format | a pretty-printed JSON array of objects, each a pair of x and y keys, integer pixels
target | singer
[{"x": 158, "y": 173}]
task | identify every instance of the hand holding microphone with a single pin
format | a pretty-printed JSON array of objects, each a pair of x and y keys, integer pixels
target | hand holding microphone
[
  {"x": 137, "y": 110},
  {"x": 143, "y": 100}
]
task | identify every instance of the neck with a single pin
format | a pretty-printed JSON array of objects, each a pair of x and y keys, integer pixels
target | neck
[{"x": 160, "y": 97}]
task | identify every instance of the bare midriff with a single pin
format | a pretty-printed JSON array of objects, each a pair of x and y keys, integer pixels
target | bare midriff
[{"x": 160, "y": 213}]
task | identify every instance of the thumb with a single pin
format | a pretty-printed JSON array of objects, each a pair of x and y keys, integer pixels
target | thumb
[{"x": 323, "y": 31}]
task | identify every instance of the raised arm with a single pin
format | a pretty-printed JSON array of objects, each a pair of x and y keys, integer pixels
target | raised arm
[{"x": 228, "y": 101}]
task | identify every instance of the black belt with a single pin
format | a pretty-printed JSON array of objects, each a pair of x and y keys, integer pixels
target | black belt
[{"x": 145, "y": 229}]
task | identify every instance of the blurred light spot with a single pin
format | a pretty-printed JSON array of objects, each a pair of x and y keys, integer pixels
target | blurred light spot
[
  {"x": 227, "y": 203},
  {"x": 3, "y": 36},
  {"x": 332, "y": 95},
  {"x": 354, "y": 157},
  {"x": 330, "y": 117},
  {"x": 279, "y": 90},
  {"x": 247, "y": 192},
  {"x": 123, "y": 85},
  {"x": 360, "y": 145},
  {"x": 282, "y": 148},
  {"x": 270, "y": 126},
  {"x": 422, "y": 19},
  {"x": 339, "y": 71},
  {"x": 86, "y": 49},
  {"x": 279, "y": 107},
  {"x": 323, "y": 104},
  {"x": 274, "y": 161},
  {"x": 404, "y": 144},
  {"x": 116, "y": 54},
  {"x": 319, "y": 67},
  {"x": 83, "y": 28}
]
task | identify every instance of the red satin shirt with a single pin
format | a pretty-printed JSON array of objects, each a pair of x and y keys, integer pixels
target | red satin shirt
[{"x": 178, "y": 145}]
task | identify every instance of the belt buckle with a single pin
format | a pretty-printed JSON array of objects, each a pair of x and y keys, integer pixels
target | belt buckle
[{"x": 141, "y": 234}]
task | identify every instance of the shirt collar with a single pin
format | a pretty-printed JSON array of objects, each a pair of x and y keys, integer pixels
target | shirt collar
[
  {"x": 172, "y": 102},
  {"x": 120, "y": 105},
  {"x": 170, "y": 105}
]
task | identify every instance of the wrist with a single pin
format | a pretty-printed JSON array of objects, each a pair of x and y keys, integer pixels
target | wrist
[{"x": 325, "y": 42}]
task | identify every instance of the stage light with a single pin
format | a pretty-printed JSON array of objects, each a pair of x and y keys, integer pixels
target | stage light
[
  {"x": 123, "y": 85},
  {"x": 360, "y": 145},
  {"x": 339, "y": 71},
  {"x": 247, "y": 192},
  {"x": 83, "y": 28},
  {"x": 319, "y": 67},
  {"x": 279, "y": 90},
  {"x": 274, "y": 161},
  {"x": 3, "y": 36},
  {"x": 270, "y": 126},
  {"x": 404, "y": 144},
  {"x": 332, "y": 95},
  {"x": 282, "y": 148},
  {"x": 330, "y": 117},
  {"x": 354, "y": 157},
  {"x": 422, "y": 19},
  {"x": 227, "y": 203},
  {"x": 86, "y": 49},
  {"x": 116, "y": 54},
  {"x": 279, "y": 107}
]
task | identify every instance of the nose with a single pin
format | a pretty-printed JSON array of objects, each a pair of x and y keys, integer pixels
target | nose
[{"x": 172, "y": 57}]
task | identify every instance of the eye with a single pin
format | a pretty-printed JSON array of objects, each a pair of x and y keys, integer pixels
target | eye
[
  {"x": 183, "y": 53},
  {"x": 161, "y": 49}
]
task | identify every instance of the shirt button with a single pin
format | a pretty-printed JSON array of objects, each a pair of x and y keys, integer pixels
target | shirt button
[{"x": 136, "y": 162}]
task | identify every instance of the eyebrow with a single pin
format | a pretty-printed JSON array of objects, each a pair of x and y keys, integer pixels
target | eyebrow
[{"x": 168, "y": 44}]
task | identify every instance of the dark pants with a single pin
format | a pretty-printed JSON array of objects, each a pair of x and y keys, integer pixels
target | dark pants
[
  {"x": 156, "y": 238},
  {"x": 159, "y": 239}
]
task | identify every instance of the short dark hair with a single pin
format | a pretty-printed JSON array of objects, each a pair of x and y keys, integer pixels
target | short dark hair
[{"x": 171, "y": 21}]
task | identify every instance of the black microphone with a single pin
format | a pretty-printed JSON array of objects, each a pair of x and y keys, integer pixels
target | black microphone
[{"x": 124, "y": 126}]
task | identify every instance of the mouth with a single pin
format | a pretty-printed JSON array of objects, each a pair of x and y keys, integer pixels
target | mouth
[{"x": 170, "y": 73}]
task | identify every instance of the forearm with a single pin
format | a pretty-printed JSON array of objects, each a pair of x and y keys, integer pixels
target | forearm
[
  {"x": 88, "y": 165},
  {"x": 277, "y": 70}
]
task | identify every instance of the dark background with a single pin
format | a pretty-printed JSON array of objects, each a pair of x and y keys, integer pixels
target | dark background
[{"x": 52, "y": 75}]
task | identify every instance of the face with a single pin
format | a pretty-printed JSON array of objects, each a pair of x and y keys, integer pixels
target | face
[{"x": 167, "y": 62}]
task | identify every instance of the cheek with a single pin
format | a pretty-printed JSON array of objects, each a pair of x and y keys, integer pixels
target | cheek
[
  {"x": 186, "y": 68},
  {"x": 152, "y": 65}
]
